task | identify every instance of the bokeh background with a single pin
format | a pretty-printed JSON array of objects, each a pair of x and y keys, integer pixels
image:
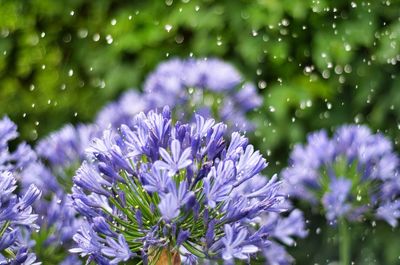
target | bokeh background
[{"x": 317, "y": 64}]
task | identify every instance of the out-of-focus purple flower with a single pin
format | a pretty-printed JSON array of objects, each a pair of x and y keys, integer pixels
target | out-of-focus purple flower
[
  {"x": 335, "y": 200},
  {"x": 390, "y": 212},
  {"x": 276, "y": 254},
  {"x": 66, "y": 147},
  {"x": 172, "y": 184},
  {"x": 205, "y": 86},
  {"x": 350, "y": 175},
  {"x": 121, "y": 111},
  {"x": 59, "y": 155}
]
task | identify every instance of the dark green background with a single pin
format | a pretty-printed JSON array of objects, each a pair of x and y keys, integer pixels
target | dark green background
[{"x": 317, "y": 63}]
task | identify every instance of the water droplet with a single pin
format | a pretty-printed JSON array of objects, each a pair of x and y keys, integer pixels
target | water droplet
[
  {"x": 285, "y": 22},
  {"x": 109, "y": 39},
  {"x": 308, "y": 69},
  {"x": 82, "y": 33},
  {"x": 353, "y": 5},
  {"x": 329, "y": 105},
  {"x": 96, "y": 37},
  {"x": 113, "y": 22},
  {"x": 72, "y": 13},
  {"x": 168, "y": 27},
  {"x": 271, "y": 109},
  {"x": 70, "y": 72},
  {"x": 262, "y": 84}
]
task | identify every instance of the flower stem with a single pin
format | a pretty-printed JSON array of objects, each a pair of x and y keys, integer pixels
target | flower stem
[
  {"x": 166, "y": 257},
  {"x": 344, "y": 242}
]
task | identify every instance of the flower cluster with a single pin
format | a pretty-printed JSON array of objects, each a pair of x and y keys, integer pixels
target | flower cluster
[
  {"x": 121, "y": 111},
  {"x": 63, "y": 151},
  {"x": 209, "y": 87},
  {"x": 351, "y": 176},
  {"x": 165, "y": 188},
  {"x": 60, "y": 154},
  {"x": 16, "y": 216},
  {"x": 19, "y": 158}
]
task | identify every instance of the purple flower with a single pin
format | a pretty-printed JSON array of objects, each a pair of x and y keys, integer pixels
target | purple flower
[
  {"x": 209, "y": 86},
  {"x": 235, "y": 245},
  {"x": 351, "y": 175},
  {"x": 169, "y": 207},
  {"x": 121, "y": 111},
  {"x": 179, "y": 160},
  {"x": 335, "y": 200},
  {"x": 66, "y": 147},
  {"x": 172, "y": 184},
  {"x": 119, "y": 251},
  {"x": 21, "y": 157},
  {"x": 15, "y": 215}
]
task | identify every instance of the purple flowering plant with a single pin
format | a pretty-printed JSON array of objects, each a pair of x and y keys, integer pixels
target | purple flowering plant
[
  {"x": 207, "y": 86},
  {"x": 59, "y": 155},
  {"x": 166, "y": 190},
  {"x": 16, "y": 216},
  {"x": 350, "y": 177}
]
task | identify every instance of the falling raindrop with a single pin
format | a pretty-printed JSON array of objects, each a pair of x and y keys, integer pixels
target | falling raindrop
[
  {"x": 168, "y": 27},
  {"x": 109, "y": 39},
  {"x": 96, "y": 37}
]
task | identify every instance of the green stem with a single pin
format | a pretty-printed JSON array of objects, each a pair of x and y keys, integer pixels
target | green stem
[
  {"x": 344, "y": 242},
  {"x": 4, "y": 228},
  {"x": 169, "y": 256}
]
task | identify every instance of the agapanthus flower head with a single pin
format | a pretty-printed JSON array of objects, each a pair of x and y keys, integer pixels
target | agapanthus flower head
[
  {"x": 171, "y": 187},
  {"x": 122, "y": 110},
  {"x": 16, "y": 217},
  {"x": 66, "y": 147},
  {"x": 209, "y": 86},
  {"x": 352, "y": 175},
  {"x": 60, "y": 154},
  {"x": 17, "y": 159}
]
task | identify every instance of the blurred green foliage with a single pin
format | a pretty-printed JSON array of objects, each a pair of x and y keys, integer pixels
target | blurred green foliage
[{"x": 318, "y": 63}]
